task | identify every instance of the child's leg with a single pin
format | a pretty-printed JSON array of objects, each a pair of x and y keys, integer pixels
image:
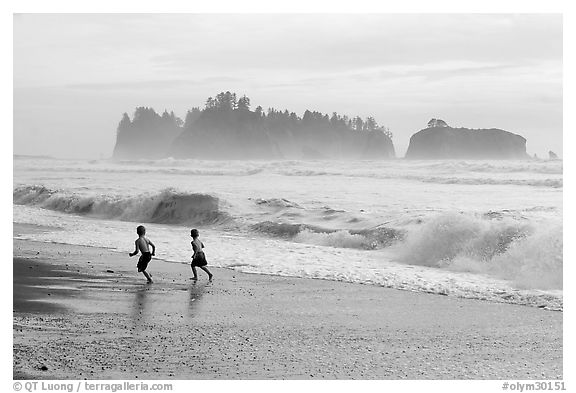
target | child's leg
[
  {"x": 147, "y": 276},
  {"x": 194, "y": 272},
  {"x": 207, "y": 271}
]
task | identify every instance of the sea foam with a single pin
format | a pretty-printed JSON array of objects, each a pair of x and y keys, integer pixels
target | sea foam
[{"x": 526, "y": 253}]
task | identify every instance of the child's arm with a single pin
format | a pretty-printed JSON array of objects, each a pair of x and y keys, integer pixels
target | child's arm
[
  {"x": 136, "y": 250},
  {"x": 153, "y": 247}
]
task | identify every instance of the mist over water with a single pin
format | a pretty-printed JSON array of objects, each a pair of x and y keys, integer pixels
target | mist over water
[{"x": 482, "y": 229}]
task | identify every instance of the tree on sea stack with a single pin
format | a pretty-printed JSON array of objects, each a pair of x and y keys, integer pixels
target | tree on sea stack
[
  {"x": 244, "y": 103},
  {"x": 370, "y": 124},
  {"x": 437, "y": 123},
  {"x": 124, "y": 124}
]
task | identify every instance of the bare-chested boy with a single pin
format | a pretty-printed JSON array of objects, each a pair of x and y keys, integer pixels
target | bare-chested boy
[{"x": 142, "y": 245}]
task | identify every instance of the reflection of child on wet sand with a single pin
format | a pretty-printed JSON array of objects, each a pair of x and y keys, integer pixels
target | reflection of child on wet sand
[
  {"x": 142, "y": 245},
  {"x": 198, "y": 258}
]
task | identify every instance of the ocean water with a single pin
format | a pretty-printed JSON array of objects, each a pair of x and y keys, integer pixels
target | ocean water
[{"x": 489, "y": 230}]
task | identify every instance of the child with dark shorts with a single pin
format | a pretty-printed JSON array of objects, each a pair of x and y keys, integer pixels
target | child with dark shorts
[
  {"x": 142, "y": 244},
  {"x": 198, "y": 258}
]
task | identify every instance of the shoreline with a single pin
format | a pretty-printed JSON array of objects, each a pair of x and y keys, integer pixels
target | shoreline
[
  {"x": 81, "y": 321},
  {"x": 401, "y": 276}
]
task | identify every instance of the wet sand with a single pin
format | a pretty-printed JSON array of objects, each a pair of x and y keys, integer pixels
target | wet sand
[{"x": 82, "y": 312}]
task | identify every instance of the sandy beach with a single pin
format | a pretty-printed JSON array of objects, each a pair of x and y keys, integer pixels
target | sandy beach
[{"x": 82, "y": 312}]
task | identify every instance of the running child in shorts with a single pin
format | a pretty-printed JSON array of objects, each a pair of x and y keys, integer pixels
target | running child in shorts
[
  {"x": 198, "y": 258},
  {"x": 142, "y": 244}
]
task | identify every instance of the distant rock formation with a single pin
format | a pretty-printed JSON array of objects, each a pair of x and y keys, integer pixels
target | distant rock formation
[
  {"x": 149, "y": 135},
  {"x": 552, "y": 155},
  {"x": 440, "y": 141},
  {"x": 227, "y": 129},
  {"x": 242, "y": 135}
]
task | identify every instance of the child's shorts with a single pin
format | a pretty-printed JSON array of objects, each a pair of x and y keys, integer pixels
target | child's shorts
[
  {"x": 143, "y": 261},
  {"x": 199, "y": 259}
]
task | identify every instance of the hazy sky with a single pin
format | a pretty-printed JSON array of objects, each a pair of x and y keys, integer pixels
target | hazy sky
[{"x": 75, "y": 74}]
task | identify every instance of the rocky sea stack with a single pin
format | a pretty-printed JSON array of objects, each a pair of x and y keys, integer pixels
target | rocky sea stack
[
  {"x": 228, "y": 129},
  {"x": 440, "y": 141}
]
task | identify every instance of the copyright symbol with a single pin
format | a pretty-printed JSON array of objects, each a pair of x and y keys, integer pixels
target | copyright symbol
[{"x": 17, "y": 386}]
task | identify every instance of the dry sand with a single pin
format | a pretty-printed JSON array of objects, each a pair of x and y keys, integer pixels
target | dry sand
[{"x": 75, "y": 320}]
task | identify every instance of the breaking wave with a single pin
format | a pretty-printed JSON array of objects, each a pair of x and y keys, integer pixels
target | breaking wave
[
  {"x": 364, "y": 239},
  {"x": 277, "y": 203},
  {"x": 157, "y": 170},
  {"x": 168, "y": 206},
  {"x": 528, "y": 254},
  {"x": 528, "y": 166},
  {"x": 553, "y": 182},
  {"x": 450, "y": 166}
]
